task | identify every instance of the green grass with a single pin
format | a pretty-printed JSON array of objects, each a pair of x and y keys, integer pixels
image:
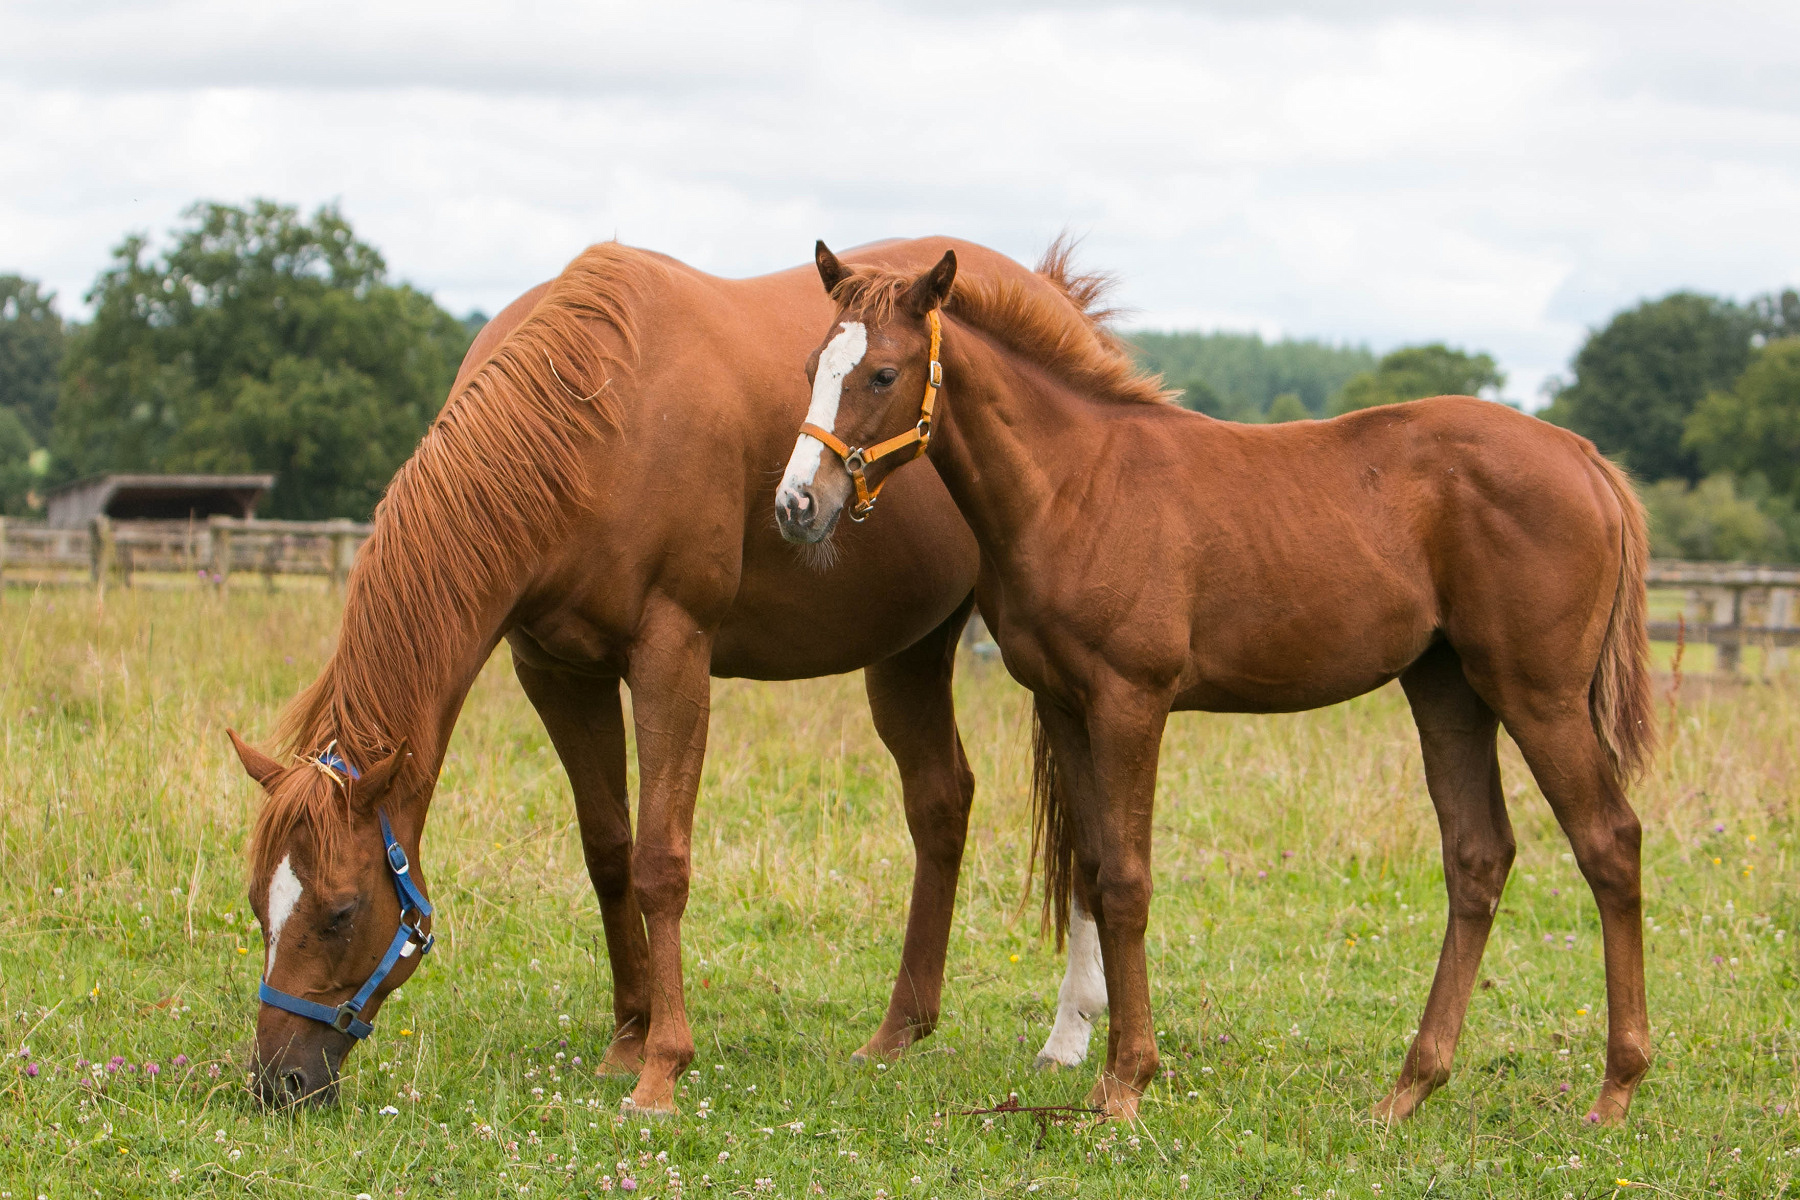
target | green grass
[{"x": 1285, "y": 999}]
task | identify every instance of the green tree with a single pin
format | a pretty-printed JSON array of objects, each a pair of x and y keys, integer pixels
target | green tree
[
  {"x": 1638, "y": 379},
  {"x": 22, "y": 466},
  {"x": 31, "y": 351},
  {"x": 260, "y": 340},
  {"x": 1721, "y": 518},
  {"x": 1415, "y": 372},
  {"x": 1287, "y": 407},
  {"x": 1238, "y": 375},
  {"x": 1756, "y": 425}
]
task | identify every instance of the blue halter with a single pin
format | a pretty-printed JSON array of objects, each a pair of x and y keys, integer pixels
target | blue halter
[{"x": 346, "y": 1017}]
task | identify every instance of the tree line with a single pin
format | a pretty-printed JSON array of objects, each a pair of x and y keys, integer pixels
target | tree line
[{"x": 260, "y": 339}]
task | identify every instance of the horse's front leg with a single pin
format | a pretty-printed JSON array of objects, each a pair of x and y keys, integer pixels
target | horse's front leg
[
  {"x": 587, "y": 727},
  {"x": 671, "y": 699},
  {"x": 909, "y": 697},
  {"x": 1113, "y": 830}
]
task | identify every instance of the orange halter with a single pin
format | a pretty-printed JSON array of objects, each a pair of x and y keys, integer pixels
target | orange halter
[{"x": 857, "y": 458}]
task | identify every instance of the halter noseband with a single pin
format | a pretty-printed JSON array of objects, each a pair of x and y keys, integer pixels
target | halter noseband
[
  {"x": 857, "y": 458},
  {"x": 347, "y": 1017}
]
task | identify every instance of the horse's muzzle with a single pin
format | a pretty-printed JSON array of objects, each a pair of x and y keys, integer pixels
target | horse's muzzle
[
  {"x": 301, "y": 1070},
  {"x": 798, "y": 516}
]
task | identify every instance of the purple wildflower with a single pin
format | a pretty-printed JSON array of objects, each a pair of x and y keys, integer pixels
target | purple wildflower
[
  {"x": 152, "y": 1069},
  {"x": 628, "y": 1184},
  {"x": 180, "y": 1060},
  {"x": 31, "y": 1070}
]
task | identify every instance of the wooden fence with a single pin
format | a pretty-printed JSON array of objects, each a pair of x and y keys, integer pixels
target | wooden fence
[
  {"x": 209, "y": 551},
  {"x": 1730, "y": 606}
]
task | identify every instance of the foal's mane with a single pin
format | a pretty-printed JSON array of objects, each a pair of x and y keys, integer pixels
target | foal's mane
[
  {"x": 1063, "y": 327},
  {"x": 496, "y": 479}
]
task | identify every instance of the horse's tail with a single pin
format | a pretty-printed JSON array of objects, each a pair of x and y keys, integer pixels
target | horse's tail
[
  {"x": 1052, "y": 837},
  {"x": 1620, "y": 700}
]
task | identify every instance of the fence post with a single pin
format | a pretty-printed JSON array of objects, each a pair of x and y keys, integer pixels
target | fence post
[
  {"x": 101, "y": 550},
  {"x": 340, "y": 554},
  {"x": 1780, "y": 616},
  {"x": 1732, "y": 600},
  {"x": 221, "y": 552}
]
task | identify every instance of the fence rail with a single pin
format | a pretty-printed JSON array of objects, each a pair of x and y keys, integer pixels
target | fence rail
[{"x": 211, "y": 551}]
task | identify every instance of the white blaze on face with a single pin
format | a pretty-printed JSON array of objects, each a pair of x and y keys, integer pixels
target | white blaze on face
[
  {"x": 838, "y": 359},
  {"x": 284, "y": 894}
]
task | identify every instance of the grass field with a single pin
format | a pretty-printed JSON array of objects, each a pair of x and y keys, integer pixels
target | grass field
[{"x": 1298, "y": 909}]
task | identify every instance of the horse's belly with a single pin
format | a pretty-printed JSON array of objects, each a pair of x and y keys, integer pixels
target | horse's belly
[{"x": 1292, "y": 667}]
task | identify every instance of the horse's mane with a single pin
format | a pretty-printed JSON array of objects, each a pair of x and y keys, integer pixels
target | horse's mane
[
  {"x": 1064, "y": 327},
  {"x": 498, "y": 476}
]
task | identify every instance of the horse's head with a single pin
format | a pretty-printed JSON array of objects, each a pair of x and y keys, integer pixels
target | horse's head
[
  {"x": 874, "y": 381},
  {"x": 326, "y": 885}
]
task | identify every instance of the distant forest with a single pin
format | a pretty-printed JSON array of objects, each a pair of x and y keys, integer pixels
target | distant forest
[{"x": 1239, "y": 377}]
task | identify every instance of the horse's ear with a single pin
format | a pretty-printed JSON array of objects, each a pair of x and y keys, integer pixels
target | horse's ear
[
  {"x": 375, "y": 781},
  {"x": 831, "y": 271},
  {"x": 261, "y": 767},
  {"x": 931, "y": 289}
]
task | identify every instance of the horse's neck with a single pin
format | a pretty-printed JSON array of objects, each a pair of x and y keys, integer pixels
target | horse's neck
[{"x": 1013, "y": 436}]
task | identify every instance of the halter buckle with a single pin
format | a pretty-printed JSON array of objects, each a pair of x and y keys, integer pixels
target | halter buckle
[
  {"x": 396, "y": 857},
  {"x": 936, "y": 374},
  {"x": 344, "y": 1017}
]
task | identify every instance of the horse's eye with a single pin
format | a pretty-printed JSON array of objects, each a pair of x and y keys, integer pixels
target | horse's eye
[
  {"x": 885, "y": 377},
  {"x": 339, "y": 917}
]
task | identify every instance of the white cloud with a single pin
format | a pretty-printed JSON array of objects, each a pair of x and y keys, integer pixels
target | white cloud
[{"x": 1498, "y": 175}]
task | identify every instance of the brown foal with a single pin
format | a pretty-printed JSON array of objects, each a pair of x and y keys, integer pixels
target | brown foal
[
  {"x": 597, "y": 493},
  {"x": 1137, "y": 558}
]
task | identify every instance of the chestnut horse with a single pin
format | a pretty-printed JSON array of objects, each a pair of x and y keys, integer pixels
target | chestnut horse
[
  {"x": 1137, "y": 558},
  {"x": 596, "y": 491}
]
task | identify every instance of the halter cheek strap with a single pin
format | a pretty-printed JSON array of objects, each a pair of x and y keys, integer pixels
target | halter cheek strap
[
  {"x": 347, "y": 1017},
  {"x": 858, "y": 458}
]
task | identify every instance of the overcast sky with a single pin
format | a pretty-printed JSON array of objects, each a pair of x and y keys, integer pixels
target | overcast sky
[{"x": 1498, "y": 175}]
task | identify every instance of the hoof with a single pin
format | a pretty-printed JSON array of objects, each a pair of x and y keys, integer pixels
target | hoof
[{"x": 1049, "y": 1062}]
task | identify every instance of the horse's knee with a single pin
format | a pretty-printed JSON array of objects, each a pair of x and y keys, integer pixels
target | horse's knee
[
  {"x": 609, "y": 865},
  {"x": 1122, "y": 897},
  {"x": 1476, "y": 871},
  {"x": 659, "y": 880}
]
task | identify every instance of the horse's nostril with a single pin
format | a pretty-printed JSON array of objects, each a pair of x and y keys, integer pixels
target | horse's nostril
[{"x": 293, "y": 1085}]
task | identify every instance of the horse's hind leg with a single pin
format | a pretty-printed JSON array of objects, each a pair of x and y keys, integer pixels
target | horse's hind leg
[
  {"x": 1462, "y": 772},
  {"x": 909, "y": 697},
  {"x": 587, "y": 728},
  {"x": 1082, "y": 996},
  {"x": 1560, "y": 745}
]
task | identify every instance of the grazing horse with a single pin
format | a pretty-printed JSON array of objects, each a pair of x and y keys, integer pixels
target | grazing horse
[
  {"x": 596, "y": 492},
  {"x": 1137, "y": 558}
]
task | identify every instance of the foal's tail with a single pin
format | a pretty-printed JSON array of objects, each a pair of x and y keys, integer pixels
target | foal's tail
[
  {"x": 1051, "y": 834},
  {"x": 1619, "y": 699}
]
